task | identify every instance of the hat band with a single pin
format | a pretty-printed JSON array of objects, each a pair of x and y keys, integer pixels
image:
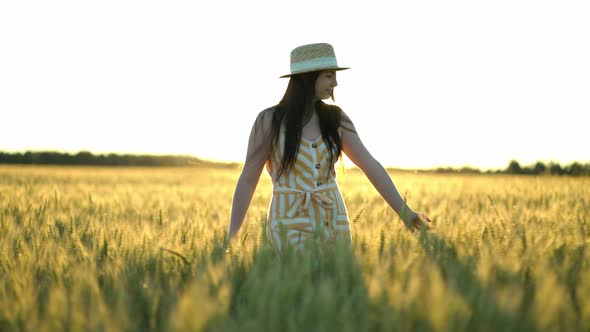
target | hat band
[{"x": 317, "y": 63}]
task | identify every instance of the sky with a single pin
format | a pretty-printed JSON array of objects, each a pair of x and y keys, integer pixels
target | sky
[{"x": 432, "y": 83}]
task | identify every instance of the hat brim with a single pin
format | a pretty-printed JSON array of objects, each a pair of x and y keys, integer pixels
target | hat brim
[{"x": 312, "y": 70}]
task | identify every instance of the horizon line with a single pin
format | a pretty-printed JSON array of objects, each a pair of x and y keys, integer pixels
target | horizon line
[{"x": 229, "y": 162}]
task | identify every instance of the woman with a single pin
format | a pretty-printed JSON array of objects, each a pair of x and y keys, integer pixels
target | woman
[{"x": 299, "y": 140}]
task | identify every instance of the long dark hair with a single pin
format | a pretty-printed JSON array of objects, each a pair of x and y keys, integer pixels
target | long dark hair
[{"x": 295, "y": 109}]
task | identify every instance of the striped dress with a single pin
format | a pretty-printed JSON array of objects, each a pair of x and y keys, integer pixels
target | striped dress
[{"x": 306, "y": 203}]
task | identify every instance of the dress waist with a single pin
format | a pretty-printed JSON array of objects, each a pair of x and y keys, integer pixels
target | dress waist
[
  {"x": 319, "y": 195},
  {"x": 324, "y": 187}
]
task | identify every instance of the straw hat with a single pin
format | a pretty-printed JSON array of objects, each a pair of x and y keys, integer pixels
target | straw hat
[{"x": 313, "y": 57}]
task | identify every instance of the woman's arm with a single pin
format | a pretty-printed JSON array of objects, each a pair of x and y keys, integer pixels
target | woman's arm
[
  {"x": 259, "y": 145},
  {"x": 354, "y": 149}
]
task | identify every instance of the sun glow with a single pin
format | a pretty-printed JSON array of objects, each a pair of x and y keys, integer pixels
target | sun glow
[{"x": 424, "y": 98}]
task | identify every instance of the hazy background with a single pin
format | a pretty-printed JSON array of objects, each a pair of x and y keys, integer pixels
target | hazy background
[{"x": 432, "y": 83}]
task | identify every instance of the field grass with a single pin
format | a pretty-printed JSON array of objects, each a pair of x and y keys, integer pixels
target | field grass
[{"x": 140, "y": 249}]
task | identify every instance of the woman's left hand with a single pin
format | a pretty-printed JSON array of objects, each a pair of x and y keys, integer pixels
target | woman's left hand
[{"x": 418, "y": 221}]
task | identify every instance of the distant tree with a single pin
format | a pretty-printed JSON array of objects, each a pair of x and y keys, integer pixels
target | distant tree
[
  {"x": 514, "y": 167},
  {"x": 84, "y": 158},
  {"x": 555, "y": 169},
  {"x": 527, "y": 170},
  {"x": 540, "y": 168},
  {"x": 575, "y": 169},
  {"x": 444, "y": 170},
  {"x": 469, "y": 170}
]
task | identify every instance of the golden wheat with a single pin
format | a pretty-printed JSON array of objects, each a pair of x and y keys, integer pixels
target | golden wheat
[{"x": 136, "y": 249}]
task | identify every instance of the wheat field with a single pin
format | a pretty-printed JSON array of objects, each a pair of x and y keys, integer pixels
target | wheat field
[{"x": 141, "y": 249}]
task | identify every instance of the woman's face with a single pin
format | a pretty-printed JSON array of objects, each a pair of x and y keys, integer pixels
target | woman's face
[{"x": 325, "y": 83}]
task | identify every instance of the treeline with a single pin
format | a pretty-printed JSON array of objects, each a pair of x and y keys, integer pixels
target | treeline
[
  {"x": 111, "y": 159},
  {"x": 539, "y": 168},
  {"x": 575, "y": 169}
]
